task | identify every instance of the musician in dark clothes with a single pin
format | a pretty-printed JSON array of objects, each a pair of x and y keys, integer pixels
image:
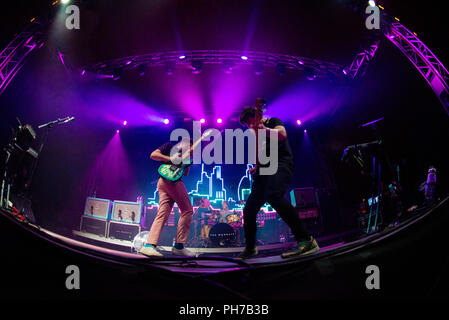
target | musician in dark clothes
[{"x": 272, "y": 188}]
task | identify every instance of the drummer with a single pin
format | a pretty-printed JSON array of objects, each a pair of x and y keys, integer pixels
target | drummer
[{"x": 224, "y": 212}]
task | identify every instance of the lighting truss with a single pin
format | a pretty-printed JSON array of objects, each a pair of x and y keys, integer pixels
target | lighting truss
[
  {"x": 422, "y": 58},
  {"x": 13, "y": 56},
  {"x": 321, "y": 68}
]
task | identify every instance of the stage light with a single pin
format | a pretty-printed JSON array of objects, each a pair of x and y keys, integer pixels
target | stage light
[
  {"x": 345, "y": 72},
  {"x": 129, "y": 62},
  {"x": 118, "y": 131},
  {"x": 196, "y": 66},
  {"x": 372, "y": 3},
  {"x": 244, "y": 57},
  {"x": 309, "y": 73},
  {"x": 228, "y": 65},
  {"x": 65, "y": 1},
  {"x": 181, "y": 57},
  {"x": 142, "y": 69},
  {"x": 219, "y": 120},
  {"x": 305, "y": 131},
  {"x": 125, "y": 123},
  {"x": 298, "y": 122},
  {"x": 202, "y": 120},
  {"x": 83, "y": 72},
  {"x": 166, "y": 121},
  {"x": 300, "y": 62}
]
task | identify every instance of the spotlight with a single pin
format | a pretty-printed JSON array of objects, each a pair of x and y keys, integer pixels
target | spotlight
[
  {"x": 300, "y": 62},
  {"x": 219, "y": 120},
  {"x": 65, "y": 1},
  {"x": 166, "y": 121},
  {"x": 142, "y": 69},
  {"x": 181, "y": 57},
  {"x": 372, "y": 3},
  {"x": 202, "y": 120},
  {"x": 244, "y": 57},
  {"x": 305, "y": 131},
  {"x": 228, "y": 65},
  {"x": 196, "y": 66},
  {"x": 118, "y": 131},
  {"x": 282, "y": 69},
  {"x": 125, "y": 123},
  {"x": 309, "y": 73},
  {"x": 298, "y": 122}
]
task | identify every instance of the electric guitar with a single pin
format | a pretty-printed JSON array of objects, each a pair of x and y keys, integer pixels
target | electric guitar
[{"x": 174, "y": 172}]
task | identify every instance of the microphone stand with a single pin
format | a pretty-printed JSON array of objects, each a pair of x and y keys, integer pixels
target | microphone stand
[{"x": 47, "y": 125}]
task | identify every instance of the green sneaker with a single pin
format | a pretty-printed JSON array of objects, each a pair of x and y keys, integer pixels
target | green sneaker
[{"x": 302, "y": 248}]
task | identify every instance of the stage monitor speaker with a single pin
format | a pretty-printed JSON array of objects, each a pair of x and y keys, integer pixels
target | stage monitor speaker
[
  {"x": 128, "y": 212},
  {"x": 94, "y": 225},
  {"x": 303, "y": 197},
  {"x": 97, "y": 208}
]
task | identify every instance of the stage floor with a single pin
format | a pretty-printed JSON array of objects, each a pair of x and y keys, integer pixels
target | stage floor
[{"x": 209, "y": 260}]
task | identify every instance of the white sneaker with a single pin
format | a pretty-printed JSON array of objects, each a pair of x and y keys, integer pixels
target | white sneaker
[
  {"x": 183, "y": 252},
  {"x": 150, "y": 252}
]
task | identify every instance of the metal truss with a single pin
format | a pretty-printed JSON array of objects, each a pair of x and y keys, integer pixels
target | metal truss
[
  {"x": 361, "y": 61},
  {"x": 422, "y": 58},
  {"x": 229, "y": 58},
  {"x": 13, "y": 56}
]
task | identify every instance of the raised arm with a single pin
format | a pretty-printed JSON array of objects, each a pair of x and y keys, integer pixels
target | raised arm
[{"x": 158, "y": 156}]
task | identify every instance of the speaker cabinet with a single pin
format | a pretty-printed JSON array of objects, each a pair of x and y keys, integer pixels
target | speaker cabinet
[
  {"x": 94, "y": 225},
  {"x": 303, "y": 197},
  {"x": 123, "y": 231},
  {"x": 127, "y": 212},
  {"x": 97, "y": 208}
]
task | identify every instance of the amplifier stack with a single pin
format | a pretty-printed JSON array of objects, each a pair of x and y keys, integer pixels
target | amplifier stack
[
  {"x": 111, "y": 219},
  {"x": 305, "y": 201}
]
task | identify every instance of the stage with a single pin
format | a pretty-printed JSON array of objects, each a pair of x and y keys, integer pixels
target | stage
[
  {"x": 215, "y": 128},
  {"x": 218, "y": 260}
]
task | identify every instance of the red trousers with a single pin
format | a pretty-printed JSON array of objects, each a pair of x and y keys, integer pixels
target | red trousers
[{"x": 169, "y": 193}]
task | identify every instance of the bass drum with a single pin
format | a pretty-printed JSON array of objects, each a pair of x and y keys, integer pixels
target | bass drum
[{"x": 222, "y": 235}]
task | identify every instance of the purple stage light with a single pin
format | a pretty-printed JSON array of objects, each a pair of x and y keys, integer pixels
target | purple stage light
[
  {"x": 298, "y": 122},
  {"x": 244, "y": 57},
  {"x": 202, "y": 120},
  {"x": 166, "y": 121},
  {"x": 118, "y": 131},
  {"x": 305, "y": 131},
  {"x": 182, "y": 57},
  {"x": 125, "y": 123},
  {"x": 219, "y": 120}
]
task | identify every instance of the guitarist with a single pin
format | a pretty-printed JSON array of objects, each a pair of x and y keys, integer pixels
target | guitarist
[
  {"x": 169, "y": 193},
  {"x": 272, "y": 188}
]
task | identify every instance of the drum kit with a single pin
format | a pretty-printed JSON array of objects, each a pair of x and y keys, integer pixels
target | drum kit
[{"x": 215, "y": 230}]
